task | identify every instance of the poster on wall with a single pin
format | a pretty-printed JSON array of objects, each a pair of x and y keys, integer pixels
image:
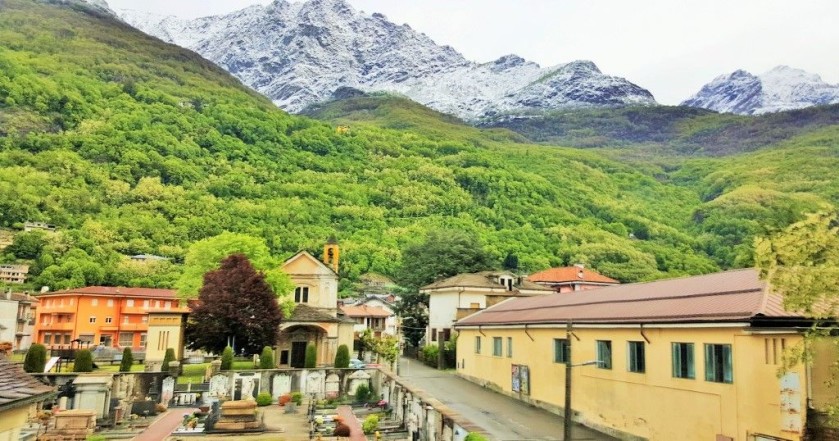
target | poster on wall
[
  {"x": 524, "y": 379},
  {"x": 515, "y": 377}
]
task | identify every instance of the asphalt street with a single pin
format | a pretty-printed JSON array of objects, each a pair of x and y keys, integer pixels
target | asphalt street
[{"x": 504, "y": 418}]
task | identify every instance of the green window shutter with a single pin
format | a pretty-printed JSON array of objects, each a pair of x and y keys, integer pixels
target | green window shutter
[
  {"x": 728, "y": 364},
  {"x": 690, "y": 361},
  {"x": 674, "y": 348},
  {"x": 709, "y": 362}
]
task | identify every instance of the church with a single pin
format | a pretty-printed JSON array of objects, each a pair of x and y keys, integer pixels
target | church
[{"x": 316, "y": 318}]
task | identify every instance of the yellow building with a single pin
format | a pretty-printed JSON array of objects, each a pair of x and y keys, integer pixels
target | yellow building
[
  {"x": 166, "y": 330},
  {"x": 695, "y": 358},
  {"x": 20, "y": 396},
  {"x": 316, "y": 319}
]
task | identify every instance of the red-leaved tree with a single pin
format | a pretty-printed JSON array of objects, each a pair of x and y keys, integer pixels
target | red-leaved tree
[{"x": 234, "y": 302}]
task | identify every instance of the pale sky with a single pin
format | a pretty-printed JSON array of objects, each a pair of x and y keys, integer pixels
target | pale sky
[{"x": 670, "y": 47}]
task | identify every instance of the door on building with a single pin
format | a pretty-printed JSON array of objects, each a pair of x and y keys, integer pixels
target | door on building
[
  {"x": 106, "y": 340},
  {"x": 298, "y": 354}
]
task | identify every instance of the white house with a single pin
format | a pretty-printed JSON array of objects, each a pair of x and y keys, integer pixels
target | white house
[{"x": 458, "y": 296}]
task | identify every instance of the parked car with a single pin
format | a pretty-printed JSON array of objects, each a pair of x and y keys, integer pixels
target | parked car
[{"x": 357, "y": 364}]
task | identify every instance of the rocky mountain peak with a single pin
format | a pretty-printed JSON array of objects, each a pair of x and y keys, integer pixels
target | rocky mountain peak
[
  {"x": 299, "y": 53},
  {"x": 781, "y": 88}
]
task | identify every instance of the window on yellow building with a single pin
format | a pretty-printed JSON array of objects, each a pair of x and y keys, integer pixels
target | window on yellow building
[
  {"x": 683, "y": 360},
  {"x": 477, "y": 344},
  {"x": 635, "y": 356},
  {"x": 509, "y": 347},
  {"x": 604, "y": 354},
  {"x": 92, "y": 319},
  {"x": 496, "y": 346},
  {"x": 301, "y": 294},
  {"x": 718, "y": 363},
  {"x": 561, "y": 350}
]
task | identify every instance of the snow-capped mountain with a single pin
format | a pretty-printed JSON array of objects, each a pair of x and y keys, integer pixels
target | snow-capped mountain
[
  {"x": 782, "y": 88},
  {"x": 300, "y": 53}
]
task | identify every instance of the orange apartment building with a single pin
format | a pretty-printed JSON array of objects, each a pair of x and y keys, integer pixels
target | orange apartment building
[{"x": 100, "y": 315}]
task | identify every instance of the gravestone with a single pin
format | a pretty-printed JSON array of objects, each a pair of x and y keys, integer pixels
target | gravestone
[
  {"x": 314, "y": 383},
  {"x": 245, "y": 385},
  {"x": 281, "y": 385},
  {"x": 333, "y": 388},
  {"x": 219, "y": 386},
  {"x": 168, "y": 390},
  {"x": 358, "y": 378}
]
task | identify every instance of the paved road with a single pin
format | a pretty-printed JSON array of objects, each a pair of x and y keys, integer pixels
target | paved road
[{"x": 504, "y": 418}]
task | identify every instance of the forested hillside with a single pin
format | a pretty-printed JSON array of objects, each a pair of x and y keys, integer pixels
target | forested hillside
[{"x": 130, "y": 145}]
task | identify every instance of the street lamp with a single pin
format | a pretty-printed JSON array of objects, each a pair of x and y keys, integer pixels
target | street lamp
[{"x": 566, "y": 426}]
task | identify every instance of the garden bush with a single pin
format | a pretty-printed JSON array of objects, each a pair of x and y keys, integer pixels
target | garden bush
[
  {"x": 474, "y": 436},
  {"x": 370, "y": 424},
  {"x": 297, "y": 398},
  {"x": 263, "y": 399},
  {"x": 127, "y": 360},
  {"x": 168, "y": 358},
  {"x": 266, "y": 360},
  {"x": 342, "y": 357},
  {"x": 362, "y": 393},
  {"x": 83, "y": 361},
  {"x": 311, "y": 356},
  {"x": 36, "y": 358},
  {"x": 227, "y": 359}
]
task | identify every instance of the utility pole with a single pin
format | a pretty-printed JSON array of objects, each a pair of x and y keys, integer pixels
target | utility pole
[{"x": 566, "y": 425}]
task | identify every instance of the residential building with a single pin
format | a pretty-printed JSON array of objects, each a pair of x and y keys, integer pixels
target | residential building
[
  {"x": 17, "y": 319},
  {"x": 13, "y": 273},
  {"x": 100, "y": 315},
  {"x": 694, "y": 358},
  {"x": 20, "y": 396},
  {"x": 316, "y": 319},
  {"x": 42, "y": 226},
  {"x": 571, "y": 278},
  {"x": 375, "y": 283},
  {"x": 375, "y": 318},
  {"x": 458, "y": 296}
]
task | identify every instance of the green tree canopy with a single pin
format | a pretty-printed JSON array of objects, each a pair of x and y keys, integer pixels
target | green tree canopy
[
  {"x": 206, "y": 255},
  {"x": 36, "y": 358},
  {"x": 802, "y": 264},
  {"x": 266, "y": 360},
  {"x": 443, "y": 253},
  {"x": 227, "y": 358},
  {"x": 235, "y": 302}
]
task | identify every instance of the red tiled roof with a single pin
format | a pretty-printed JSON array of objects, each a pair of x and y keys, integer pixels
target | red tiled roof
[
  {"x": 17, "y": 388},
  {"x": 483, "y": 279},
  {"x": 365, "y": 311},
  {"x": 117, "y": 291},
  {"x": 728, "y": 296},
  {"x": 569, "y": 274}
]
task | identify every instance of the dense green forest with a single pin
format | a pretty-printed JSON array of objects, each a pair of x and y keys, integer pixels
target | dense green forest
[{"x": 130, "y": 145}]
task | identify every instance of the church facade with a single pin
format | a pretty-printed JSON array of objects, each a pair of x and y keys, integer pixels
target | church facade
[{"x": 316, "y": 319}]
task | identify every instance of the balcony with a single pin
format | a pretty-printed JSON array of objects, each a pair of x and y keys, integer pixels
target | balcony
[
  {"x": 463, "y": 312},
  {"x": 56, "y": 309},
  {"x": 57, "y": 327},
  {"x": 133, "y": 326}
]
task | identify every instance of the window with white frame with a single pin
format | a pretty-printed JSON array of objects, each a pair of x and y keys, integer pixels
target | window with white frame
[
  {"x": 109, "y": 319},
  {"x": 477, "y": 344},
  {"x": 635, "y": 360},
  {"x": 562, "y": 350},
  {"x": 604, "y": 354},
  {"x": 301, "y": 294},
  {"x": 92, "y": 319}
]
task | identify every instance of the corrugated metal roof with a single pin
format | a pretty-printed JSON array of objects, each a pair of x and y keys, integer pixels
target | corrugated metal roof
[
  {"x": 569, "y": 274},
  {"x": 726, "y": 296}
]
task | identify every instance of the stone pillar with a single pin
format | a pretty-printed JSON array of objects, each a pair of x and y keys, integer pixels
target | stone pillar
[
  {"x": 215, "y": 367},
  {"x": 174, "y": 368}
]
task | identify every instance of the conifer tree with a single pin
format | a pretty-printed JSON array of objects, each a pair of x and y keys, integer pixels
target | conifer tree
[
  {"x": 127, "y": 360},
  {"x": 311, "y": 356},
  {"x": 36, "y": 358},
  {"x": 266, "y": 360},
  {"x": 83, "y": 361},
  {"x": 342, "y": 357}
]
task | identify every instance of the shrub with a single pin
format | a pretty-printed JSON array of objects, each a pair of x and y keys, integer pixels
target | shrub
[
  {"x": 475, "y": 436},
  {"x": 169, "y": 357},
  {"x": 311, "y": 356},
  {"x": 266, "y": 360},
  {"x": 370, "y": 424},
  {"x": 127, "y": 360},
  {"x": 227, "y": 359},
  {"x": 83, "y": 361},
  {"x": 36, "y": 358},
  {"x": 342, "y": 357},
  {"x": 95, "y": 438},
  {"x": 297, "y": 397},
  {"x": 263, "y": 399},
  {"x": 429, "y": 355},
  {"x": 362, "y": 393}
]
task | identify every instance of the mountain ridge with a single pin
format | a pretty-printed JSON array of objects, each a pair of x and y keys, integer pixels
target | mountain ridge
[
  {"x": 779, "y": 89},
  {"x": 299, "y": 53}
]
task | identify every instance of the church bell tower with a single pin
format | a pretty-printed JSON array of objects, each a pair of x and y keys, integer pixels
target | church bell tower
[{"x": 331, "y": 253}]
